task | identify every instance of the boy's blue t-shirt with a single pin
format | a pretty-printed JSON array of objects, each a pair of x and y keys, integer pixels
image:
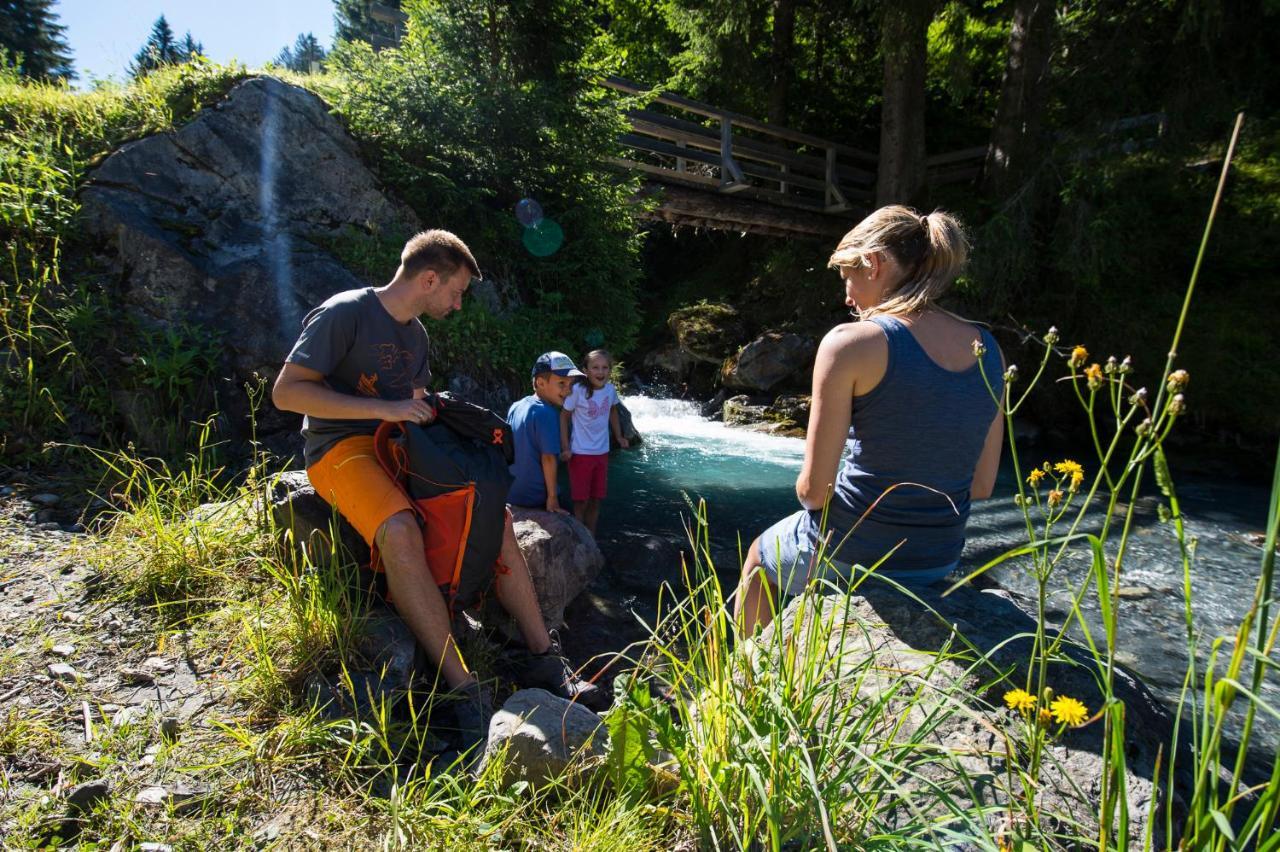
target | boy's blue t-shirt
[{"x": 535, "y": 428}]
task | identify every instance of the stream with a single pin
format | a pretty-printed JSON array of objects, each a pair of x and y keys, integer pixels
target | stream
[{"x": 747, "y": 479}]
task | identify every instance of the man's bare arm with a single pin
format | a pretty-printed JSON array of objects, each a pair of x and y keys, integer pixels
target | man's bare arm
[{"x": 302, "y": 389}]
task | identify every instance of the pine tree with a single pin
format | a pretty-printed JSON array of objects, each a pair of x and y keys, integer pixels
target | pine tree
[
  {"x": 354, "y": 23},
  {"x": 31, "y": 35},
  {"x": 190, "y": 48},
  {"x": 306, "y": 49},
  {"x": 162, "y": 48}
]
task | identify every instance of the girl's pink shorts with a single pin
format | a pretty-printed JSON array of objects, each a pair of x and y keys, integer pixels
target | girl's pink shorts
[{"x": 588, "y": 477}]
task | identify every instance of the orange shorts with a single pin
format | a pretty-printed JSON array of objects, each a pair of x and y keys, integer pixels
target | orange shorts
[{"x": 350, "y": 478}]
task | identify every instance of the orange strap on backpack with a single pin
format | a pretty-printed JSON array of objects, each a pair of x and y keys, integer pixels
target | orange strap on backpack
[{"x": 445, "y": 519}]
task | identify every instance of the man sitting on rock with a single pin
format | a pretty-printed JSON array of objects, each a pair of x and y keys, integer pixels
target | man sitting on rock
[{"x": 361, "y": 359}]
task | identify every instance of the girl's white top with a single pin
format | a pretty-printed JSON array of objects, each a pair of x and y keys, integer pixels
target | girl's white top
[{"x": 591, "y": 419}]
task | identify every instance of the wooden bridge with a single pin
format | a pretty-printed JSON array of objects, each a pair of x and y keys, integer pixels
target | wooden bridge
[
  {"x": 707, "y": 167},
  {"x": 711, "y": 168}
]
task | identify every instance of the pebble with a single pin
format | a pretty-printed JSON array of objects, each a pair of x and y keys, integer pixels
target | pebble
[
  {"x": 28, "y": 597},
  {"x": 46, "y": 499},
  {"x": 152, "y": 846},
  {"x": 6, "y": 491},
  {"x": 169, "y": 727},
  {"x": 1133, "y": 592},
  {"x": 83, "y": 797},
  {"x": 50, "y": 526},
  {"x": 126, "y": 716},
  {"x": 135, "y": 675},
  {"x": 152, "y": 796},
  {"x": 159, "y": 665},
  {"x": 62, "y": 650},
  {"x": 62, "y": 671}
]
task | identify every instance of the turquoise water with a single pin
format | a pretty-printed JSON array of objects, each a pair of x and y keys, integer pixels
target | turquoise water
[{"x": 747, "y": 478}]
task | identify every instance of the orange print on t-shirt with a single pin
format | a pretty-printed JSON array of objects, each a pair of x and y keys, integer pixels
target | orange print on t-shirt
[{"x": 368, "y": 385}]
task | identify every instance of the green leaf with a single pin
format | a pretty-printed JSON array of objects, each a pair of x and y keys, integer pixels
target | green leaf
[
  {"x": 1224, "y": 825},
  {"x": 1163, "y": 478}
]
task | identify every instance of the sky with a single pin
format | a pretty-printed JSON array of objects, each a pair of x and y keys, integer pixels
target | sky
[{"x": 104, "y": 35}]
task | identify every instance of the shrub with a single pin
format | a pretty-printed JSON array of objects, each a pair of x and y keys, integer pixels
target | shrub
[{"x": 463, "y": 126}]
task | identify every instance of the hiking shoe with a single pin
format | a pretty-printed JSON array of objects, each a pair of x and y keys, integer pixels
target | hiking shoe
[
  {"x": 472, "y": 708},
  {"x": 552, "y": 672}
]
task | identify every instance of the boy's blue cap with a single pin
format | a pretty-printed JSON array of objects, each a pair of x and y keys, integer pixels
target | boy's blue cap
[{"x": 556, "y": 362}]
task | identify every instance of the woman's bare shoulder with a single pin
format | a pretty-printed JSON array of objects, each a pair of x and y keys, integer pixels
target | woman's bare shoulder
[{"x": 853, "y": 338}]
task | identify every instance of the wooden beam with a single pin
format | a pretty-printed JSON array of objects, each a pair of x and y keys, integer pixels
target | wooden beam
[
  {"x": 745, "y": 121},
  {"x": 738, "y": 212}
]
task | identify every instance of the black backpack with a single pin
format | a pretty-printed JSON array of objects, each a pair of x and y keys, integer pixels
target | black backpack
[{"x": 454, "y": 471}]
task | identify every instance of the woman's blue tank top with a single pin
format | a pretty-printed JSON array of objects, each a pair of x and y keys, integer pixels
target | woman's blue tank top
[{"x": 925, "y": 425}]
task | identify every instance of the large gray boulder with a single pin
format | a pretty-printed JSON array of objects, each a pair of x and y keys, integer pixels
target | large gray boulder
[
  {"x": 542, "y": 735},
  {"x": 880, "y": 649},
  {"x": 769, "y": 359},
  {"x": 563, "y": 559},
  {"x": 226, "y": 221}
]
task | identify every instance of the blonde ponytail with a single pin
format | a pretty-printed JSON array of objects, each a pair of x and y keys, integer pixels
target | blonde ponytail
[{"x": 931, "y": 249}]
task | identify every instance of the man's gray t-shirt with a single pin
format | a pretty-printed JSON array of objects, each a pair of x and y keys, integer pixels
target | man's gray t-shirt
[{"x": 362, "y": 351}]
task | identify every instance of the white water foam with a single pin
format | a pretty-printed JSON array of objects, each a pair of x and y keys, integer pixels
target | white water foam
[{"x": 679, "y": 424}]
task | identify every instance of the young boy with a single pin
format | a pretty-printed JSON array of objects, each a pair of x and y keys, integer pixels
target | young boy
[{"x": 535, "y": 425}]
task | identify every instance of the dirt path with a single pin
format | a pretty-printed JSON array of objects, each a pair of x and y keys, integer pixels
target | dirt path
[{"x": 114, "y": 728}]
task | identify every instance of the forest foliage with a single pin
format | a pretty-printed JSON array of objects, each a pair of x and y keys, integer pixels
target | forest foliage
[{"x": 467, "y": 108}]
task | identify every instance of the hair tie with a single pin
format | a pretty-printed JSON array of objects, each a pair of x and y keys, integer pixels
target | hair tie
[{"x": 924, "y": 221}]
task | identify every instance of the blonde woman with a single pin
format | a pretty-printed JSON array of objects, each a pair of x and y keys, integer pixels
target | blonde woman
[{"x": 902, "y": 388}]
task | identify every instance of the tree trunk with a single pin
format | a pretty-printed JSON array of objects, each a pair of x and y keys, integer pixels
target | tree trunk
[
  {"x": 1015, "y": 137},
  {"x": 784, "y": 30},
  {"x": 901, "y": 179}
]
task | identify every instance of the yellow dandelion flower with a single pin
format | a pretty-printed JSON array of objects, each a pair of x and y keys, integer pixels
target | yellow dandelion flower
[
  {"x": 1055, "y": 497},
  {"x": 1034, "y": 479},
  {"x": 1044, "y": 717},
  {"x": 1078, "y": 356},
  {"x": 1020, "y": 700},
  {"x": 1093, "y": 373},
  {"x": 1077, "y": 479},
  {"x": 1067, "y": 467},
  {"x": 1069, "y": 711}
]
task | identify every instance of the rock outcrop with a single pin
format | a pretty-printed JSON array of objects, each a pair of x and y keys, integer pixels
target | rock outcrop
[
  {"x": 706, "y": 332},
  {"x": 768, "y": 360},
  {"x": 227, "y": 221}
]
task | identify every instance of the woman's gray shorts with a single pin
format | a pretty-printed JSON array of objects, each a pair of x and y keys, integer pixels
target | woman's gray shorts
[{"x": 788, "y": 555}]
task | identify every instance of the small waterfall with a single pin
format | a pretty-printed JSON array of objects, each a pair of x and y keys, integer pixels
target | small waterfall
[
  {"x": 679, "y": 424},
  {"x": 275, "y": 240}
]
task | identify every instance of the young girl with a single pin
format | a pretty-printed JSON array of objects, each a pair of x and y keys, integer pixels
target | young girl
[{"x": 592, "y": 407}]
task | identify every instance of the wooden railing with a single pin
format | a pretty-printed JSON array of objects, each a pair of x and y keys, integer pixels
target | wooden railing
[{"x": 734, "y": 153}]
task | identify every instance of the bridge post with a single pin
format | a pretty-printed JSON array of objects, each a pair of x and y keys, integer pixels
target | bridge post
[
  {"x": 731, "y": 177},
  {"x": 835, "y": 201}
]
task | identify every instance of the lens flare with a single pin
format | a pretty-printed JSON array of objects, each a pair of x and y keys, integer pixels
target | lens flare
[
  {"x": 543, "y": 239},
  {"x": 528, "y": 212}
]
